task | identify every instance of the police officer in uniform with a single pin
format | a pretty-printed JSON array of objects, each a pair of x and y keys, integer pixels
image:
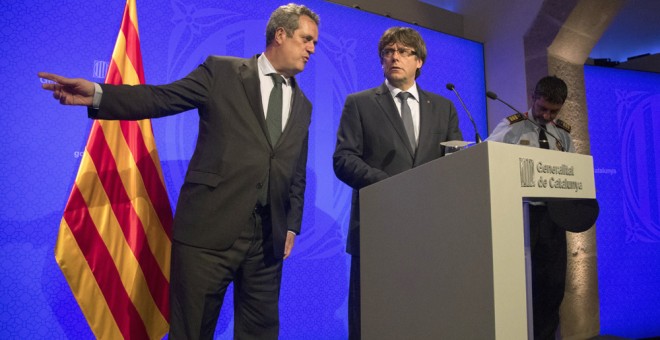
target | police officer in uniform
[
  {"x": 539, "y": 127},
  {"x": 525, "y": 129}
]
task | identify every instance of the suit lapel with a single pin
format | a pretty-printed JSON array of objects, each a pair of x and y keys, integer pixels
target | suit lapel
[
  {"x": 389, "y": 109},
  {"x": 295, "y": 108},
  {"x": 425, "y": 122},
  {"x": 250, "y": 77}
]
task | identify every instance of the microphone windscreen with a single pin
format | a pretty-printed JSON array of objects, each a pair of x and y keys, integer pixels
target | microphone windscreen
[
  {"x": 450, "y": 86},
  {"x": 491, "y": 95}
]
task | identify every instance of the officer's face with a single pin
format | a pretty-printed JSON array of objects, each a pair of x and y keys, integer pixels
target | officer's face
[{"x": 544, "y": 111}]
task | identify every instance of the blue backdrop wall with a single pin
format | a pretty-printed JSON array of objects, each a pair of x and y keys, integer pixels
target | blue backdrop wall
[
  {"x": 624, "y": 119},
  {"x": 43, "y": 141}
]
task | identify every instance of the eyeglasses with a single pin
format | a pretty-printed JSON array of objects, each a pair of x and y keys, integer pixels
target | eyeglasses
[{"x": 404, "y": 52}]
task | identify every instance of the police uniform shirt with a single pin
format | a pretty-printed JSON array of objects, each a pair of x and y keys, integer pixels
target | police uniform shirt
[{"x": 515, "y": 129}]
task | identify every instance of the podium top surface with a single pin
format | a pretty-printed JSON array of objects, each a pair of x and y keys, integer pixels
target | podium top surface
[{"x": 522, "y": 171}]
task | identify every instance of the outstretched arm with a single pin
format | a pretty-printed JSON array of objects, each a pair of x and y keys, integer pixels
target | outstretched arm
[{"x": 69, "y": 91}]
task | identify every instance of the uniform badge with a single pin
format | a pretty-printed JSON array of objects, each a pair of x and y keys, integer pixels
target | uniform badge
[
  {"x": 515, "y": 118},
  {"x": 563, "y": 125}
]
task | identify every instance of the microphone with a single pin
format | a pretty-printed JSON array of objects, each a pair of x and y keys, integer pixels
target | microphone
[
  {"x": 493, "y": 96},
  {"x": 451, "y": 87}
]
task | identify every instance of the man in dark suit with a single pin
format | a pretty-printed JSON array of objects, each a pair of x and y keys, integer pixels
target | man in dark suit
[
  {"x": 241, "y": 204},
  {"x": 387, "y": 130}
]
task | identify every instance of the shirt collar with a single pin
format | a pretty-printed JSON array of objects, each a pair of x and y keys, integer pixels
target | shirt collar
[
  {"x": 412, "y": 90},
  {"x": 266, "y": 68}
]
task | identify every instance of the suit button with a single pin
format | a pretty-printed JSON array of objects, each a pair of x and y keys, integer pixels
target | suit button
[{"x": 259, "y": 185}]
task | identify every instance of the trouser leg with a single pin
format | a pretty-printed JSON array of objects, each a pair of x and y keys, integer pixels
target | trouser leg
[
  {"x": 257, "y": 290},
  {"x": 548, "y": 272},
  {"x": 198, "y": 281},
  {"x": 354, "y": 324}
]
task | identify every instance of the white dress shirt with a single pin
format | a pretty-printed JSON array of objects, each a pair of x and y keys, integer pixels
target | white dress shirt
[{"x": 413, "y": 103}]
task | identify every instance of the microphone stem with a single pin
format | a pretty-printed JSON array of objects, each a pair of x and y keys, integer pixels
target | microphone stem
[
  {"x": 476, "y": 132},
  {"x": 560, "y": 145},
  {"x": 507, "y": 104}
]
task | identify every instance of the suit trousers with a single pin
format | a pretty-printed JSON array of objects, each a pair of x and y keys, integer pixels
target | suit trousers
[
  {"x": 200, "y": 277},
  {"x": 548, "y": 246},
  {"x": 354, "y": 324}
]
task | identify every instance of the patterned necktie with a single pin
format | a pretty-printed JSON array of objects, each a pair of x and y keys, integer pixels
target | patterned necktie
[
  {"x": 543, "y": 139},
  {"x": 274, "y": 112},
  {"x": 406, "y": 115}
]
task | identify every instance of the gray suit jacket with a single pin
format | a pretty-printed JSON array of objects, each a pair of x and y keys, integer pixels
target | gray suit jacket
[
  {"x": 233, "y": 155},
  {"x": 372, "y": 143}
]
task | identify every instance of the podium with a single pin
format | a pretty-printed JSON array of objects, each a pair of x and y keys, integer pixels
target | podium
[{"x": 443, "y": 252}]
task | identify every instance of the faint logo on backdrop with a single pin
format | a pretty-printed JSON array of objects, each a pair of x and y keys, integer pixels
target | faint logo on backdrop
[
  {"x": 100, "y": 69},
  {"x": 638, "y": 117}
]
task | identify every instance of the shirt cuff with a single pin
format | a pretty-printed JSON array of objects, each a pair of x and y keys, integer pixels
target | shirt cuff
[{"x": 98, "y": 93}]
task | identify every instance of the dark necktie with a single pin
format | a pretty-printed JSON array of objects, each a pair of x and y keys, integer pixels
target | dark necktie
[
  {"x": 543, "y": 139},
  {"x": 406, "y": 116},
  {"x": 274, "y": 112}
]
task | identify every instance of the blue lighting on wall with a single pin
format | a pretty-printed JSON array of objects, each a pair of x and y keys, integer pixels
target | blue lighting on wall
[
  {"x": 624, "y": 120},
  {"x": 43, "y": 141}
]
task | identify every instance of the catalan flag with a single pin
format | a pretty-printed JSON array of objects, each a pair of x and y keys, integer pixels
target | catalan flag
[{"x": 115, "y": 236}]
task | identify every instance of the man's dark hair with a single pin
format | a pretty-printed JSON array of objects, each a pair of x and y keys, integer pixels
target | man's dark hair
[
  {"x": 287, "y": 17},
  {"x": 552, "y": 88},
  {"x": 405, "y": 36}
]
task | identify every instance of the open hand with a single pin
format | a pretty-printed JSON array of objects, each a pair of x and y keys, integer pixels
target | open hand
[
  {"x": 290, "y": 239},
  {"x": 69, "y": 91}
]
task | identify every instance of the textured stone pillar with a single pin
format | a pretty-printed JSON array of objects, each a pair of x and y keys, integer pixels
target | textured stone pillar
[
  {"x": 580, "y": 318},
  {"x": 558, "y": 43}
]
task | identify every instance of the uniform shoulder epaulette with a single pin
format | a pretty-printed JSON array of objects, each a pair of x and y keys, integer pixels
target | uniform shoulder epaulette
[
  {"x": 515, "y": 118},
  {"x": 563, "y": 125}
]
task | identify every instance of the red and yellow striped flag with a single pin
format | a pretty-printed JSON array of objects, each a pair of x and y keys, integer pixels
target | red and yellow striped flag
[{"x": 115, "y": 236}]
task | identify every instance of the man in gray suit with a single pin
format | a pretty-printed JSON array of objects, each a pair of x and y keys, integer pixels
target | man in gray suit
[
  {"x": 241, "y": 204},
  {"x": 387, "y": 130}
]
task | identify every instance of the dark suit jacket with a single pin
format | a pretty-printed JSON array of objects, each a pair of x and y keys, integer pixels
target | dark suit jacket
[
  {"x": 233, "y": 155},
  {"x": 372, "y": 143}
]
